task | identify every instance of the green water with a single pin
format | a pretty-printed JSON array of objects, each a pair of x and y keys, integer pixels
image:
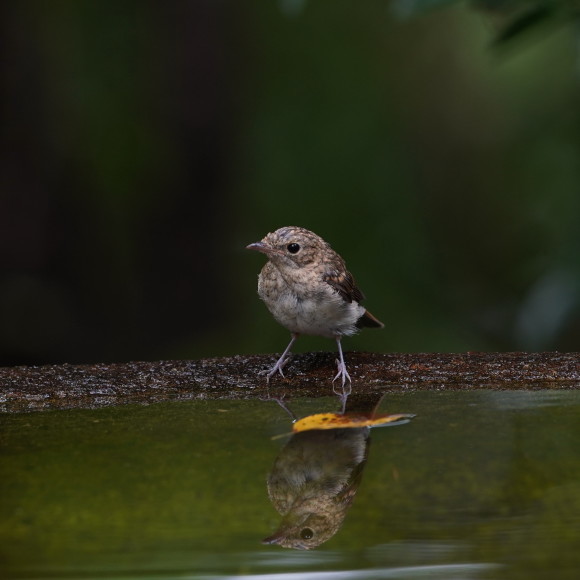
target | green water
[{"x": 478, "y": 485}]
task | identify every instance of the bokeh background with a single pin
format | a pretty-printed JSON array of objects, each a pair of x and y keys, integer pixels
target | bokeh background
[{"x": 143, "y": 144}]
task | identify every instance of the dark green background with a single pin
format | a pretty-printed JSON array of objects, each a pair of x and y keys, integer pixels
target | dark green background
[{"x": 143, "y": 144}]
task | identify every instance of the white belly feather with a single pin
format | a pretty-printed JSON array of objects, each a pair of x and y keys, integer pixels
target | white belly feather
[{"x": 322, "y": 313}]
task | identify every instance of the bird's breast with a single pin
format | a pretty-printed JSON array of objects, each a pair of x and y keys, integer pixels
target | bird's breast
[{"x": 307, "y": 306}]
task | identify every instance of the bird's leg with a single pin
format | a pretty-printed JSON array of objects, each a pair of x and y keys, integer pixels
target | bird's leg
[
  {"x": 282, "y": 360},
  {"x": 342, "y": 393},
  {"x": 281, "y": 402},
  {"x": 342, "y": 372}
]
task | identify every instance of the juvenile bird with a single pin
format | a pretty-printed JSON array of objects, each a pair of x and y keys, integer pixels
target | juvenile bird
[
  {"x": 313, "y": 483},
  {"x": 308, "y": 290}
]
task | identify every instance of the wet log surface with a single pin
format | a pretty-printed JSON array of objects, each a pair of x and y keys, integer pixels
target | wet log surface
[{"x": 92, "y": 386}]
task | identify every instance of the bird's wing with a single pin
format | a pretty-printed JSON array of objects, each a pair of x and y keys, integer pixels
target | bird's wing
[{"x": 343, "y": 282}]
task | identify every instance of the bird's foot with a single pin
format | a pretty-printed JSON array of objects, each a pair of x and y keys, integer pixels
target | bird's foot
[
  {"x": 277, "y": 368},
  {"x": 342, "y": 374},
  {"x": 346, "y": 385},
  {"x": 343, "y": 393}
]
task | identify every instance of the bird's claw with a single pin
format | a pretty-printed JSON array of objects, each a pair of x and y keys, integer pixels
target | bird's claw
[
  {"x": 343, "y": 393},
  {"x": 342, "y": 373},
  {"x": 280, "y": 364}
]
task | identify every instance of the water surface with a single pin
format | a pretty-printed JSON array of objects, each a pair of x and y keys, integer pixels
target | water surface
[{"x": 479, "y": 485}]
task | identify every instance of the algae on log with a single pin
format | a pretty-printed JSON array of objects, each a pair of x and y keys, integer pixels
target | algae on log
[{"x": 66, "y": 386}]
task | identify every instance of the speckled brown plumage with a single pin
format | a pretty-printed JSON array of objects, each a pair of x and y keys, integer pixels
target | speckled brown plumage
[{"x": 306, "y": 286}]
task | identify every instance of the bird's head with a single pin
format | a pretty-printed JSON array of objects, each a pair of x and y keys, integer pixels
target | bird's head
[
  {"x": 307, "y": 531},
  {"x": 292, "y": 247}
]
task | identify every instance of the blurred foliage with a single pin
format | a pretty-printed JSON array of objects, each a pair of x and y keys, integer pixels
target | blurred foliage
[
  {"x": 145, "y": 144},
  {"x": 515, "y": 18}
]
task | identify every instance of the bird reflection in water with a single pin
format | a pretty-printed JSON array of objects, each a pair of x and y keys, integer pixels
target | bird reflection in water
[{"x": 315, "y": 477}]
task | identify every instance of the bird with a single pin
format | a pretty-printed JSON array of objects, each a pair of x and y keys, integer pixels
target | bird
[
  {"x": 316, "y": 475},
  {"x": 307, "y": 288},
  {"x": 313, "y": 483}
]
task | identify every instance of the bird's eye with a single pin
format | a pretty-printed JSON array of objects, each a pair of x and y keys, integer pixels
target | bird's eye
[
  {"x": 293, "y": 248},
  {"x": 306, "y": 534}
]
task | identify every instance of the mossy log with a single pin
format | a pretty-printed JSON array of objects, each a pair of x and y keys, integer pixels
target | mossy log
[{"x": 37, "y": 388}]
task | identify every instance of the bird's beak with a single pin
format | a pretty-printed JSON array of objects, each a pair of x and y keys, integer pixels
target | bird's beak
[
  {"x": 274, "y": 538},
  {"x": 262, "y": 247}
]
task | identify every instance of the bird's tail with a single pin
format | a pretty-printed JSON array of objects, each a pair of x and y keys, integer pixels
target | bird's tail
[{"x": 367, "y": 320}]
